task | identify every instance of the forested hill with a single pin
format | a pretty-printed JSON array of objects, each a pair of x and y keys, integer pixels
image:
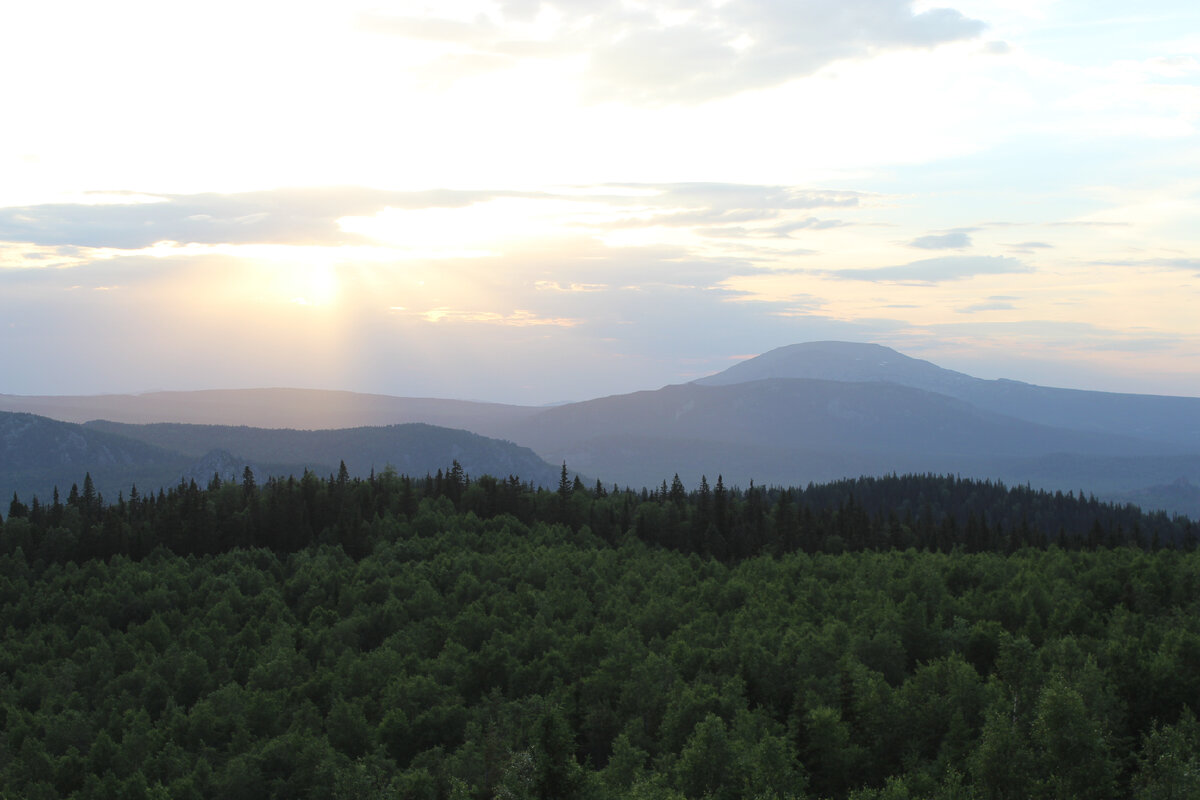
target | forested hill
[
  {"x": 413, "y": 448},
  {"x": 814, "y": 411},
  {"x": 38, "y": 454},
  {"x": 457, "y": 637},
  {"x": 897, "y": 512}
]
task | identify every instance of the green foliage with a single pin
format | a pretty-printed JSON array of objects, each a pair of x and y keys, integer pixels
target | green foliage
[
  {"x": 1075, "y": 757},
  {"x": 1170, "y": 761},
  {"x": 401, "y": 642}
]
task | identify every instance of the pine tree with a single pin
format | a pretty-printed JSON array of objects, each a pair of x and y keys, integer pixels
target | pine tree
[
  {"x": 249, "y": 487},
  {"x": 564, "y": 483},
  {"x": 678, "y": 494},
  {"x": 456, "y": 481},
  {"x": 88, "y": 497},
  {"x": 721, "y": 507},
  {"x": 16, "y": 508}
]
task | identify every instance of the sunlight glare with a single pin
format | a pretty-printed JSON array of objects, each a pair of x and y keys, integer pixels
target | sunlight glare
[
  {"x": 317, "y": 285},
  {"x": 474, "y": 231}
]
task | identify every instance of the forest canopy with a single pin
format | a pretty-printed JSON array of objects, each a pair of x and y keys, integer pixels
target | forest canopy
[{"x": 450, "y": 637}]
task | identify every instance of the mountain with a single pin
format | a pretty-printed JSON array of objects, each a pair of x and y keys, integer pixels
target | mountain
[
  {"x": 808, "y": 412},
  {"x": 815, "y": 414},
  {"x": 849, "y": 362},
  {"x": 1158, "y": 418},
  {"x": 304, "y": 409},
  {"x": 794, "y": 431},
  {"x": 1180, "y": 494},
  {"x": 228, "y": 467},
  {"x": 38, "y": 454},
  {"x": 413, "y": 448}
]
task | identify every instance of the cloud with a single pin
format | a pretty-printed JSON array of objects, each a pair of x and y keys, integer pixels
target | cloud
[
  {"x": 994, "y": 305},
  {"x": 933, "y": 270},
  {"x": 957, "y": 238},
  {"x": 555, "y": 286},
  {"x": 310, "y": 215},
  {"x": 741, "y": 195},
  {"x": 1070, "y": 337},
  {"x": 995, "y": 302},
  {"x": 519, "y": 318},
  {"x": 664, "y": 53},
  {"x": 1189, "y": 264},
  {"x": 1028, "y": 248},
  {"x": 528, "y": 326},
  {"x": 1184, "y": 264},
  {"x": 724, "y": 210},
  {"x": 693, "y": 218},
  {"x": 1088, "y": 224},
  {"x": 303, "y": 216},
  {"x": 780, "y": 231},
  {"x": 586, "y": 266}
]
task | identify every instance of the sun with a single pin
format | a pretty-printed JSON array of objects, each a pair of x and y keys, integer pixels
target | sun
[{"x": 316, "y": 285}]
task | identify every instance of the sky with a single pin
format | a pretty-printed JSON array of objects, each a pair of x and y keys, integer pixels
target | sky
[{"x": 532, "y": 202}]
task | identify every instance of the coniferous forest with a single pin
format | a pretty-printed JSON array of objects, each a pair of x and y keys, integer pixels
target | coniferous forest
[{"x": 455, "y": 637}]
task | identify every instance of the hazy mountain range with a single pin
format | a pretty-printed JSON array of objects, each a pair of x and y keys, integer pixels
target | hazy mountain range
[
  {"x": 1154, "y": 417},
  {"x": 806, "y": 412},
  {"x": 38, "y": 454}
]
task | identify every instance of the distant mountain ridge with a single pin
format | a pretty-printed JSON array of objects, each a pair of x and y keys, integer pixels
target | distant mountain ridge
[
  {"x": 226, "y": 466},
  {"x": 1160, "y": 418},
  {"x": 860, "y": 417},
  {"x": 38, "y": 454},
  {"x": 815, "y": 411},
  {"x": 29, "y": 443},
  {"x": 796, "y": 431},
  {"x": 299, "y": 409},
  {"x": 411, "y": 448}
]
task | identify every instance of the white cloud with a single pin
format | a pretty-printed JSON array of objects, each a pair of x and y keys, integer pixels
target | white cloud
[
  {"x": 659, "y": 53},
  {"x": 750, "y": 164},
  {"x": 933, "y": 270},
  {"x": 424, "y": 221},
  {"x": 949, "y": 240},
  {"x": 518, "y": 318}
]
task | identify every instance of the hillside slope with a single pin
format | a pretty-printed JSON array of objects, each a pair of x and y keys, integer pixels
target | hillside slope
[
  {"x": 1174, "y": 420},
  {"x": 37, "y": 454},
  {"x": 413, "y": 449},
  {"x": 303, "y": 409},
  {"x": 790, "y": 431},
  {"x": 806, "y": 412}
]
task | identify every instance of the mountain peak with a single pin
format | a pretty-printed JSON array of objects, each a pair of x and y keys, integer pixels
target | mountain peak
[
  {"x": 853, "y": 362},
  {"x": 834, "y": 346}
]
